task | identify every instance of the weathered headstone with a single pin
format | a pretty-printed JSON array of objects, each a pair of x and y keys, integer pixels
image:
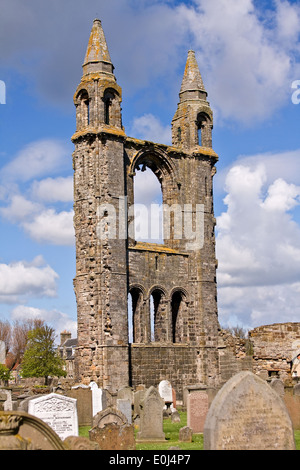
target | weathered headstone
[
  {"x": 185, "y": 434},
  {"x": 124, "y": 405},
  {"x": 125, "y": 393},
  {"x": 113, "y": 436},
  {"x": 83, "y": 395},
  {"x": 247, "y": 414},
  {"x": 21, "y": 431},
  {"x": 197, "y": 407},
  {"x": 297, "y": 389},
  {"x": 109, "y": 415},
  {"x": 58, "y": 411},
  {"x": 278, "y": 386},
  {"x": 108, "y": 399},
  {"x": 151, "y": 417},
  {"x": 2, "y": 352},
  {"x": 6, "y": 400},
  {"x": 175, "y": 416},
  {"x": 96, "y": 398}
]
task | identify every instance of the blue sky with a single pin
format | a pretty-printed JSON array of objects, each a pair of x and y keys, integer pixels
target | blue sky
[{"x": 249, "y": 56}]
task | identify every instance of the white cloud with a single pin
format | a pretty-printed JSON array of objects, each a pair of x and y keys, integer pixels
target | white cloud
[
  {"x": 52, "y": 227},
  {"x": 248, "y": 67},
  {"x": 149, "y": 127},
  {"x": 21, "y": 280},
  {"x": 58, "y": 320},
  {"x": 37, "y": 159},
  {"x": 27, "y": 201},
  {"x": 53, "y": 189},
  {"x": 247, "y": 52},
  {"x": 19, "y": 209},
  {"x": 258, "y": 248}
]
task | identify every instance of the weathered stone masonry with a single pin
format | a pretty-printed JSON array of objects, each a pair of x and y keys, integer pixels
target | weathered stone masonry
[{"x": 180, "y": 277}]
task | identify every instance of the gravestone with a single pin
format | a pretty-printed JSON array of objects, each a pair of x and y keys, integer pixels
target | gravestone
[
  {"x": 2, "y": 352},
  {"x": 96, "y": 398},
  {"x": 151, "y": 417},
  {"x": 124, "y": 405},
  {"x": 185, "y": 434},
  {"x": 297, "y": 389},
  {"x": 109, "y": 415},
  {"x": 21, "y": 431},
  {"x": 7, "y": 403},
  {"x": 247, "y": 414},
  {"x": 58, "y": 411},
  {"x": 83, "y": 395},
  {"x": 165, "y": 391},
  {"x": 113, "y": 436},
  {"x": 108, "y": 399},
  {"x": 125, "y": 393},
  {"x": 197, "y": 407},
  {"x": 175, "y": 416},
  {"x": 278, "y": 386}
]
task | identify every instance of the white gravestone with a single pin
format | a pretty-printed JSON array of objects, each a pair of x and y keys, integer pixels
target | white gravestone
[
  {"x": 165, "y": 391},
  {"x": 58, "y": 411},
  {"x": 96, "y": 398},
  {"x": 2, "y": 352}
]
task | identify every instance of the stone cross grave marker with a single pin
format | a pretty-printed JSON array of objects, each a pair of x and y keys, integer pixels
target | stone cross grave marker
[
  {"x": 58, "y": 411},
  {"x": 247, "y": 414}
]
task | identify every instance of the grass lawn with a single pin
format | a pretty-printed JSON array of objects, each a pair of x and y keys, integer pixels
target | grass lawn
[{"x": 171, "y": 431}]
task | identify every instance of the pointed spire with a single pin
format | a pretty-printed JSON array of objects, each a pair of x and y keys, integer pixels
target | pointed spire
[
  {"x": 97, "y": 58},
  {"x": 192, "y": 80}
]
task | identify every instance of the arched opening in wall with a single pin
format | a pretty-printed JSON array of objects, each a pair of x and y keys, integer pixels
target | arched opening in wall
[
  {"x": 178, "y": 307},
  {"x": 148, "y": 206},
  {"x": 158, "y": 316},
  {"x": 137, "y": 327},
  {"x": 204, "y": 128},
  {"x": 109, "y": 100},
  {"x": 83, "y": 109}
]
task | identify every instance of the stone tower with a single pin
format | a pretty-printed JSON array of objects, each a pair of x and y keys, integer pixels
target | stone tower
[{"x": 179, "y": 275}]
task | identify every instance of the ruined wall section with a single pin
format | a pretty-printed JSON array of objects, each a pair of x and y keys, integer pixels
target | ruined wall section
[
  {"x": 186, "y": 265},
  {"x": 101, "y": 273},
  {"x": 274, "y": 347}
]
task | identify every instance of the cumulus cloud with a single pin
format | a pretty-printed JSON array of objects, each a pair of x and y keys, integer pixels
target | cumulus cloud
[
  {"x": 248, "y": 53},
  {"x": 258, "y": 248},
  {"x": 245, "y": 61},
  {"x": 51, "y": 227},
  {"x": 35, "y": 204},
  {"x": 149, "y": 127},
  {"x": 53, "y": 189},
  {"x": 23, "y": 279},
  {"x": 36, "y": 159},
  {"x": 58, "y": 320}
]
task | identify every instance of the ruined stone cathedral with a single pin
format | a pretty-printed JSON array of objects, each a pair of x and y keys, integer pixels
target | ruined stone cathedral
[{"x": 179, "y": 275}]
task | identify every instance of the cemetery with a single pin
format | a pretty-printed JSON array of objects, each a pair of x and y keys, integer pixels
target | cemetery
[{"x": 246, "y": 413}]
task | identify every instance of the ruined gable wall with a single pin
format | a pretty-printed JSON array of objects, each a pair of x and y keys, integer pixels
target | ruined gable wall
[{"x": 274, "y": 346}]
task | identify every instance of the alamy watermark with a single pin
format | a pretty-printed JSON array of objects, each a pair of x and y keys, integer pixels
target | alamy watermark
[
  {"x": 140, "y": 222},
  {"x": 2, "y": 92},
  {"x": 296, "y": 94}
]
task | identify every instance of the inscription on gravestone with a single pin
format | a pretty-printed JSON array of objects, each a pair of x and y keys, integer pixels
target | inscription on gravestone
[
  {"x": 197, "y": 408},
  {"x": 58, "y": 411},
  {"x": 246, "y": 414}
]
